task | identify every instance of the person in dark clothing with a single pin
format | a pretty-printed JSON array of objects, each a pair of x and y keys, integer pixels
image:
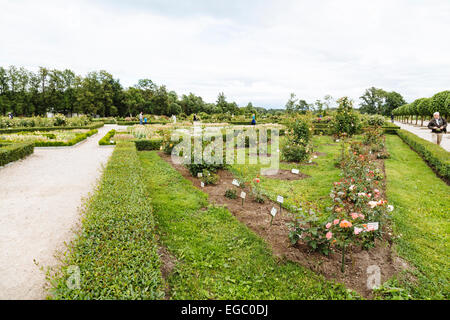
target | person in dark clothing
[
  {"x": 392, "y": 118},
  {"x": 253, "y": 120},
  {"x": 438, "y": 126}
]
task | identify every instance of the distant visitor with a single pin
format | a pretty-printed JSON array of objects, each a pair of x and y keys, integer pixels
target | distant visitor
[{"x": 438, "y": 127}]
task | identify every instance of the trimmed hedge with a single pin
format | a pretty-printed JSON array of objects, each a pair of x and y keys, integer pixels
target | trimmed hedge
[
  {"x": 131, "y": 123},
  {"x": 79, "y": 137},
  {"x": 436, "y": 157},
  {"x": 106, "y": 140},
  {"x": 10, "y": 152},
  {"x": 28, "y": 129},
  {"x": 116, "y": 249},
  {"x": 148, "y": 145}
]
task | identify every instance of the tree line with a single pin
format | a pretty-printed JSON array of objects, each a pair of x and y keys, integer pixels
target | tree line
[{"x": 27, "y": 93}]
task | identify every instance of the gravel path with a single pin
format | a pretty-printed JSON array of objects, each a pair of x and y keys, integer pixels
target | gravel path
[
  {"x": 425, "y": 133},
  {"x": 39, "y": 201}
]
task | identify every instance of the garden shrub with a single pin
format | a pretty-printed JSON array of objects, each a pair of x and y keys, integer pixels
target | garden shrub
[
  {"x": 31, "y": 129},
  {"x": 436, "y": 157},
  {"x": 10, "y": 152},
  {"x": 148, "y": 144},
  {"x": 357, "y": 201},
  {"x": 209, "y": 177},
  {"x": 116, "y": 250},
  {"x": 78, "y": 138},
  {"x": 346, "y": 122},
  {"x": 106, "y": 140},
  {"x": 231, "y": 194},
  {"x": 297, "y": 146}
]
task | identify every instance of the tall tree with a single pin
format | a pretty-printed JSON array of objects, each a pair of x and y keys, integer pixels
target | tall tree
[{"x": 372, "y": 101}]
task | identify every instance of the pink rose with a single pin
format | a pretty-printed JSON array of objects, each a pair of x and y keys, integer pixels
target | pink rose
[
  {"x": 354, "y": 215},
  {"x": 361, "y": 216},
  {"x": 336, "y": 221},
  {"x": 328, "y": 225},
  {"x": 329, "y": 235}
]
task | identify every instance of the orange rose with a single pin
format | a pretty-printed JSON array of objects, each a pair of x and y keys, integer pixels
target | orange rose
[{"x": 345, "y": 224}]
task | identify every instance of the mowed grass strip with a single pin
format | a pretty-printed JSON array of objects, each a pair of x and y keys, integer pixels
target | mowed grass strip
[
  {"x": 421, "y": 217},
  {"x": 116, "y": 250},
  {"x": 217, "y": 257}
]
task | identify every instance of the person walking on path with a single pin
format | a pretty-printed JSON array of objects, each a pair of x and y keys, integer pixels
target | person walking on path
[
  {"x": 253, "y": 120},
  {"x": 392, "y": 117},
  {"x": 438, "y": 127},
  {"x": 140, "y": 117}
]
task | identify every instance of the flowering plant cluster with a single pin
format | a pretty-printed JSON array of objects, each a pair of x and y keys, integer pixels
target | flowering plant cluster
[
  {"x": 257, "y": 191},
  {"x": 346, "y": 122},
  {"x": 298, "y": 145},
  {"x": 358, "y": 209}
]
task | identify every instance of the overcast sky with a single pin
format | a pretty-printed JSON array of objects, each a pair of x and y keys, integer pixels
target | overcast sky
[{"x": 252, "y": 50}]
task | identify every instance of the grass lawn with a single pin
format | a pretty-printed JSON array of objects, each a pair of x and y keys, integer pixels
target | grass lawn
[
  {"x": 217, "y": 256},
  {"x": 316, "y": 188},
  {"x": 422, "y": 203}
]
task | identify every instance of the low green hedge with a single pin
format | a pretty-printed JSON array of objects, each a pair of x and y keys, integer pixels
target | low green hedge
[
  {"x": 10, "y": 152},
  {"x": 28, "y": 129},
  {"x": 436, "y": 157},
  {"x": 106, "y": 140},
  {"x": 78, "y": 138},
  {"x": 148, "y": 145},
  {"x": 116, "y": 249},
  {"x": 131, "y": 123}
]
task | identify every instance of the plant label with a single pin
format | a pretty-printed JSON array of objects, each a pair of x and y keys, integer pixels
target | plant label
[
  {"x": 199, "y": 174},
  {"x": 280, "y": 199},
  {"x": 235, "y": 183},
  {"x": 295, "y": 171},
  {"x": 202, "y": 184},
  {"x": 273, "y": 212},
  {"x": 373, "y": 226},
  {"x": 243, "y": 194}
]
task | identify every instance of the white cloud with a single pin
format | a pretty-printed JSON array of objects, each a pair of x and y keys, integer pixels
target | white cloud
[{"x": 258, "y": 51}]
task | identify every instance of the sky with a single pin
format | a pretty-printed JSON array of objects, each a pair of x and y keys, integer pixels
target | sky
[{"x": 252, "y": 50}]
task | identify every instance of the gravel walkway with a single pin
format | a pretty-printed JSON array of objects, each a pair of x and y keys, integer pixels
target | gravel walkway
[
  {"x": 425, "y": 133},
  {"x": 39, "y": 201}
]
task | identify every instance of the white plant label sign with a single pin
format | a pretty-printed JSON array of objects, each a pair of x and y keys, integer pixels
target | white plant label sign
[
  {"x": 199, "y": 174},
  {"x": 280, "y": 199},
  {"x": 273, "y": 212},
  {"x": 202, "y": 184},
  {"x": 295, "y": 171},
  {"x": 373, "y": 226},
  {"x": 235, "y": 183},
  {"x": 243, "y": 194}
]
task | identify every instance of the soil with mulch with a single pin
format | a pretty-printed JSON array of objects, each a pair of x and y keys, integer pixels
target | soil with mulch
[{"x": 257, "y": 217}]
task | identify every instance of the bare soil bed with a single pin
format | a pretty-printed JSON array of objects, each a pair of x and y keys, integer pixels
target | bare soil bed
[{"x": 257, "y": 217}]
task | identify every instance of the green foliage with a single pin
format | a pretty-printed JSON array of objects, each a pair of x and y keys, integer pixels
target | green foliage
[
  {"x": 420, "y": 221},
  {"x": 10, "y": 152},
  {"x": 209, "y": 177},
  {"x": 31, "y": 129},
  {"x": 298, "y": 143},
  {"x": 106, "y": 140},
  {"x": 231, "y": 194},
  {"x": 346, "y": 122},
  {"x": 436, "y": 157},
  {"x": 115, "y": 250},
  {"x": 148, "y": 144},
  {"x": 441, "y": 103},
  {"x": 78, "y": 138}
]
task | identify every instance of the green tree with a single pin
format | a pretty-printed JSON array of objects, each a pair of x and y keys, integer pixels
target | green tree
[{"x": 373, "y": 100}]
